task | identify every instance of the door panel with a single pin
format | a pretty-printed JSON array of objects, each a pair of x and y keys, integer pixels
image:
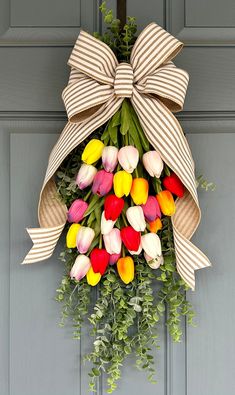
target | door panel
[{"x": 36, "y": 38}]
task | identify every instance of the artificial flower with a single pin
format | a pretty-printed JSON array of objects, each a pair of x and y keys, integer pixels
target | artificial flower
[
  {"x": 99, "y": 260},
  {"x": 166, "y": 202},
  {"x": 113, "y": 207},
  {"x": 85, "y": 176},
  {"x": 135, "y": 218},
  {"x": 173, "y": 184},
  {"x": 85, "y": 237},
  {"x": 106, "y": 224},
  {"x": 155, "y": 225},
  {"x": 151, "y": 209},
  {"x": 125, "y": 268},
  {"x": 128, "y": 158},
  {"x": 77, "y": 210},
  {"x": 151, "y": 245},
  {"x": 80, "y": 267},
  {"x": 154, "y": 263},
  {"x": 139, "y": 191},
  {"x": 72, "y": 235},
  {"x": 103, "y": 182},
  {"x": 113, "y": 242},
  {"x": 113, "y": 258},
  {"x": 110, "y": 158},
  {"x": 122, "y": 182},
  {"x": 153, "y": 163},
  {"x": 92, "y": 152},
  {"x": 92, "y": 277},
  {"x": 130, "y": 238}
]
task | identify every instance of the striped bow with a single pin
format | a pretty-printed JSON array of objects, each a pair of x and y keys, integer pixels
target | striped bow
[{"x": 97, "y": 86}]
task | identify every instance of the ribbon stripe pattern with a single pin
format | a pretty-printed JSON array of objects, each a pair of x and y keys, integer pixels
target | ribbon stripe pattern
[{"x": 96, "y": 89}]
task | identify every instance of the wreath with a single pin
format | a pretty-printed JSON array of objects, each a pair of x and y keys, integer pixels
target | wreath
[{"x": 130, "y": 209}]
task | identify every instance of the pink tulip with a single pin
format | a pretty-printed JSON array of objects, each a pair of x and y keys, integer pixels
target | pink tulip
[
  {"x": 77, "y": 210},
  {"x": 113, "y": 242},
  {"x": 151, "y": 209},
  {"x": 110, "y": 158},
  {"x": 102, "y": 183},
  {"x": 153, "y": 163},
  {"x": 113, "y": 258},
  {"x": 128, "y": 158},
  {"x": 85, "y": 176},
  {"x": 154, "y": 263},
  {"x": 85, "y": 237},
  {"x": 106, "y": 224},
  {"x": 80, "y": 268}
]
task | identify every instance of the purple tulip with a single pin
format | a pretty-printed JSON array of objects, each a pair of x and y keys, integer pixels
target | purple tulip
[
  {"x": 102, "y": 183},
  {"x": 151, "y": 209},
  {"x": 77, "y": 210}
]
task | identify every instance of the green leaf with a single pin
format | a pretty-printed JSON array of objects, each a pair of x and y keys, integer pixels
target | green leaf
[{"x": 125, "y": 118}]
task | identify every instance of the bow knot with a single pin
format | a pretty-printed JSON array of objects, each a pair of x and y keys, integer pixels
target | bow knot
[{"x": 123, "y": 82}]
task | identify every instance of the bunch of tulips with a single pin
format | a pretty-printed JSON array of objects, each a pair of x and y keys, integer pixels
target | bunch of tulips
[{"x": 119, "y": 218}]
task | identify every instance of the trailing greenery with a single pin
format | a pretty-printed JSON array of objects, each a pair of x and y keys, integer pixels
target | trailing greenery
[{"x": 123, "y": 319}]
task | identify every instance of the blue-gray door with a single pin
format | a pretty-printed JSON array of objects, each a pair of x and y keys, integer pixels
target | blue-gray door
[{"x": 36, "y": 37}]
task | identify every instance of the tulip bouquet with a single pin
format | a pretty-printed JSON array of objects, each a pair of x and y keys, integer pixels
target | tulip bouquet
[{"x": 121, "y": 196}]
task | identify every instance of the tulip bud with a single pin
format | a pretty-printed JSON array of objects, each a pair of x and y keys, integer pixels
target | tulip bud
[
  {"x": 153, "y": 163},
  {"x": 106, "y": 225},
  {"x": 80, "y": 268},
  {"x": 173, "y": 184},
  {"x": 72, "y": 235},
  {"x": 113, "y": 207},
  {"x": 113, "y": 258},
  {"x": 151, "y": 209},
  {"x": 151, "y": 245},
  {"x": 92, "y": 151},
  {"x": 99, "y": 260},
  {"x": 154, "y": 263},
  {"x": 85, "y": 237},
  {"x": 77, "y": 210},
  {"x": 113, "y": 242},
  {"x": 139, "y": 191},
  {"x": 85, "y": 176},
  {"x": 110, "y": 158},
  {"x": 103, "y": 182},
  {"x": 155, "y": 226},
  {"x": 130, "y": 238},
  {"x": 136, "y": 219},
  {"x": 122, "y": 182},
  {"x": 125, "y": 268},
  {"x": 92, "y": 277},
  {"x": 128, "y": 158},
  {"x": 166, "y": 202}
]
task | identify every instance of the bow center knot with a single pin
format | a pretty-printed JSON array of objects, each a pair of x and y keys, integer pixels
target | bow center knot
[{"x": 123, "y": 82}]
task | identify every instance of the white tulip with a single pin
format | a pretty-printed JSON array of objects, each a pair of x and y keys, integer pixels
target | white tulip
[
  {"x": 110, "y": 158},
  {"x": 154, "y": 263},
  {"x": 80, "y": 268},
  {"x": 85, "y": 176},
  {"x": 106, "y": 224},
  {"x": 153, "y": 163},
  {"x": 151, "y": 245},
  {"x": 135, "y": 216}
]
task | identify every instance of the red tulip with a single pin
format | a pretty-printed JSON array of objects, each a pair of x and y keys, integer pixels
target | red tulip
[
  {"x": 130, "y": 238},
  {"x": 113, "y": 207},
  {"x": 99, "y": 260},
  {"x": 173, "y": 184},
  {"x": 103, "y": 182}
]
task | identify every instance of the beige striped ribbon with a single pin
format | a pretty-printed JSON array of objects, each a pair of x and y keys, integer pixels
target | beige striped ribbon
[{"x": 97, "y": 86}]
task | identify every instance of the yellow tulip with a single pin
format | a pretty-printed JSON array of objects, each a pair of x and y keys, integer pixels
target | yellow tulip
[
  {"x": 92, "y": 152},
  {"x": 125, "y": 268},
  {"x": 92, "y": 277},
  {"x": 139, "y": 191},
  {"x": 122, "y": 182},
  {"x": 72, "y": 235},
  {"x": 155, "y": 226},
  {"x": 166, "y": 202}
]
